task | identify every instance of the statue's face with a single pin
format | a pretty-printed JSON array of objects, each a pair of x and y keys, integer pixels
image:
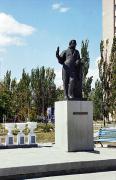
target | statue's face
[{"x": 73, "y": 44}]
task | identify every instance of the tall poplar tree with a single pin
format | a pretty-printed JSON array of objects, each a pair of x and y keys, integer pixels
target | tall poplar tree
[
  {"x": 104, "y": 74},
  {"x": 85, "y": 68},
  {"x": 113, "y": 78}
]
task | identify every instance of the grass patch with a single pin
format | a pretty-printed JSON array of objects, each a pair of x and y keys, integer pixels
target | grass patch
[
  {"x": 44, "y": 137},
  {"x": 45, "y": 133}
]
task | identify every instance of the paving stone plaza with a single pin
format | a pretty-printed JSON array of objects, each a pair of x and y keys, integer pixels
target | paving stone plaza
[{"x": 47, "y": 160}]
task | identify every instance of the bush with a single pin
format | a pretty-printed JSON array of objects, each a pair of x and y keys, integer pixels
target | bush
[
  {"x": 47, "y": 127},
  {"x": 26, "y": 130},
  {"x": 15, "y": 130},
  {"x": 3, "y": 130}
]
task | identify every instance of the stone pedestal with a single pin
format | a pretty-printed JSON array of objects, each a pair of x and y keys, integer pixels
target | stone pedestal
[{"x": 74, "y": 125}]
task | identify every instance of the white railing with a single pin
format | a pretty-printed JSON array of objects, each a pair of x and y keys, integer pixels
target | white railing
[
  {"x": 20, "y": 137},
  {"x": 32, "y": 135},
  {"x": 9, "y": 139}
]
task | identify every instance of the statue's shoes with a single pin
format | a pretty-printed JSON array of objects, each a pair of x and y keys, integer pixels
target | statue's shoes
[
  {"x": 71, "y": 97},
  {"x": 66, "y": 98}
]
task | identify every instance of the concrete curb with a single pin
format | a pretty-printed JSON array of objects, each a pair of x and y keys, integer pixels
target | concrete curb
[
  {"x": 18, "y": 146},
  {"x": 57, "y": 169}
]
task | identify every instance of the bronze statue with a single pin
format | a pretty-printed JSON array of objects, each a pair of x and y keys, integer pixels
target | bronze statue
[{"x": 71, "y": 71}]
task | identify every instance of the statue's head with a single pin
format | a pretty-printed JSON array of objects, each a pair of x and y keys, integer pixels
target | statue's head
[{"x": 72, "y": 44}]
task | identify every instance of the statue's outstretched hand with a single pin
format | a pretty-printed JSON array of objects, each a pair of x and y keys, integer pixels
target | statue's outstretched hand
[{"x": 57, "y": 52}]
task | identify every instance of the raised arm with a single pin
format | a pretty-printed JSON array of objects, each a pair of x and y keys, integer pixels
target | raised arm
[{"x": 62, "y": 57}]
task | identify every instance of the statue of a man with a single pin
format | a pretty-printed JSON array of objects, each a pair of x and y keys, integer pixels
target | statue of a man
[{"x": 71, "y": 71}]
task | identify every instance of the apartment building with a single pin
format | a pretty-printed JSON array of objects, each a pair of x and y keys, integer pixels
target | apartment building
[{"x": 109, "y": 21}]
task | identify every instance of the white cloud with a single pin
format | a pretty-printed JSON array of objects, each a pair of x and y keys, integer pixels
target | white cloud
[
  {"x": 64, "y": 9},
  {"x": 60, "y": 7},
  {"x": 6, "y": 40},
  {"x": 2, "y": 51},
  {"x": 97, "y": 61},
  {"x": 58, "y": 78},
  {"x": 56, "y": 6},
  {"x": 8, "y": 25},
  {"x": 12, "y": 31},
  {"x": 94, "y": 72}
]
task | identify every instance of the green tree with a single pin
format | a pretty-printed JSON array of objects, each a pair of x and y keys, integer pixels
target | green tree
[
  {"x": 59, "y": 94},
  {"x": 30, "y": 96},
  {"x": 7, "y": 80},
  {"x": 113, "y": 78},
  {"x": 97, "y": 98},
  {"x": 23, "y": 96},
  {"x": 13, "y": 92},
  {"x": 43, "y": 88},
  {"x": 85, "y": 67},
  {"x": 5, "y": 96},
  {"x": 5, "y": 102},
  {"x": 104, "y": 74}
]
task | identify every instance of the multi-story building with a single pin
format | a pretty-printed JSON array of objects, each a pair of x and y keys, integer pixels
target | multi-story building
[{"x": 109, "y": 21}]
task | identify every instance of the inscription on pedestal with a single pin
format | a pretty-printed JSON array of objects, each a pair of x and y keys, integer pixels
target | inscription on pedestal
[{"x": 80, "y": 113}]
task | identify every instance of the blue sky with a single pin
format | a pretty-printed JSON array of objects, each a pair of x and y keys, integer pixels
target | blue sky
[{"x": 31, "y": 30}]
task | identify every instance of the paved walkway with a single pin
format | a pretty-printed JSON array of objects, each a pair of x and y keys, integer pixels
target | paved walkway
[
  {"x": 50, "y": 159},
  {"x": 34, "y": 156},
  {"x": 91, "y": 176}
]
